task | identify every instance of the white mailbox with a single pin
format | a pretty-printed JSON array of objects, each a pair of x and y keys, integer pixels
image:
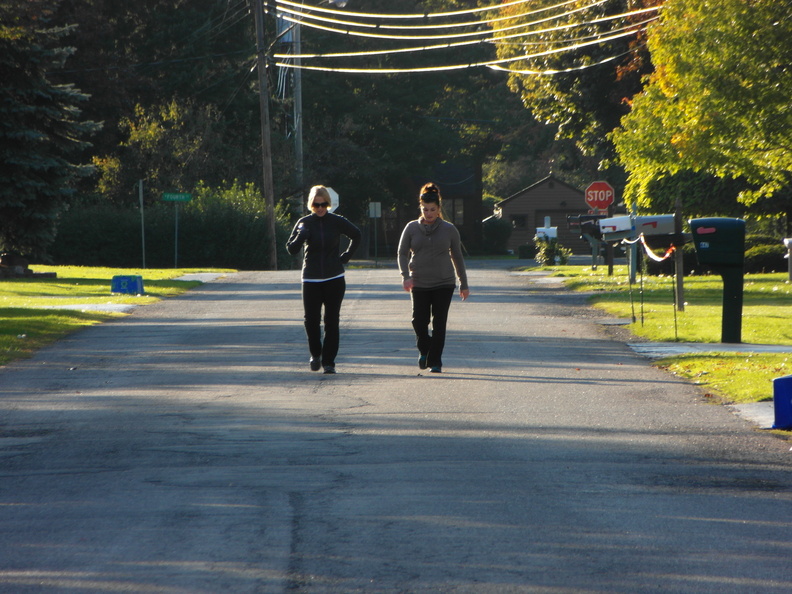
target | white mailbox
[
  {"x": 547, "y": 232},
  {"x": 616, "y": 228},
  {"x": 615, "y": 224},
  {"x": 630, "y": 227},
  {"x": 654, "y": 225}
]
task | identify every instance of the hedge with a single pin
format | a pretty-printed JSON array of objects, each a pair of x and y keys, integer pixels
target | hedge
[
  {"x": 766, "y": 258},
  {"x": 214, "y": 236}
]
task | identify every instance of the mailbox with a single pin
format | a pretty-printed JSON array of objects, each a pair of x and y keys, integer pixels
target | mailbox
[
  {"x": 720, "y": 244},
  {"x": 719, "y": 241},
  {"x": 654, "y": 225},
  {"x": 659, "y": 231},
  {"x": 586, "y": 224},
  {"x": 573, "y": 222},
  {"x": 546, "y": 232},
  {"x": 591, "y": 228},
  {"x": 616, "y": 228}
]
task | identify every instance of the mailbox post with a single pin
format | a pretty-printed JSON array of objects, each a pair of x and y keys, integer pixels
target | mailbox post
[
  {"x": 586, "y": 225},
  {"x": 720, "y": 244},
  {"x": 788, "y": 245}
]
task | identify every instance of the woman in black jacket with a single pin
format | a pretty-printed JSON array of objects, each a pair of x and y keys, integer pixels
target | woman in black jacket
[{"x": 323, "y": 281}]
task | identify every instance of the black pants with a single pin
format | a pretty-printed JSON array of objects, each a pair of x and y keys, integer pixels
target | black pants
[
  {"x": 431, "y": 305},
  {"x": 329, "y": 294}
]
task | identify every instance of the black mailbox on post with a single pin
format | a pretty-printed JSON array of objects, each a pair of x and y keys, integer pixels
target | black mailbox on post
[
  {"x": 719, "y": 242},
  {"x": 720, "y": 245},
  {"x": 588, "y": 227}
]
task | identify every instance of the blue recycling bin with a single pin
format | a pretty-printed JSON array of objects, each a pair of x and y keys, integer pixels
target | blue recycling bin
[
  {"x": 782, "y": 402},
  {"x": 130, "y": 285}
]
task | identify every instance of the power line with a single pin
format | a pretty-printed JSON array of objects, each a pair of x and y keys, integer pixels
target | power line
[
  {"x": 302, "y": 15},
  {"x": 548, "y": 72},
  {"x": 242, "y": 14},
  {"x": 495, "y": 40},
  {"x": 489, "y": 63},
  {"x": 423, "y": 15},
  {"x": 216, "y": 26},
  {"x": 582, "y": 38},
  {"x": 478, "y": 33}
]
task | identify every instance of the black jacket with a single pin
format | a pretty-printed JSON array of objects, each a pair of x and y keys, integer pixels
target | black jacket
[{"x": 322, "y": 238}]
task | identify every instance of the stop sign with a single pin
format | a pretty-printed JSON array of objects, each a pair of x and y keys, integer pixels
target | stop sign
[{"x": 600, "y": 194}]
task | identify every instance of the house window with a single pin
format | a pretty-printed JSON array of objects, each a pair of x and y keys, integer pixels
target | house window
[{"x": 518, "y": 221}]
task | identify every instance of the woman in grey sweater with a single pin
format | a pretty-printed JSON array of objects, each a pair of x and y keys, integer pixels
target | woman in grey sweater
[{"x": 430, "y": 262}]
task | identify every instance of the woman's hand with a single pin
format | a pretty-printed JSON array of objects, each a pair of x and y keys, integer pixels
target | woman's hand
[
  {"x": 407, "y": 283},
  {"x": 464, "y": 293},
  {"x": 303, "y": 232}
]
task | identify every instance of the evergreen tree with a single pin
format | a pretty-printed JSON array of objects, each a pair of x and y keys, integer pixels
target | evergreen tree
[{"x": 41, "y": 131}]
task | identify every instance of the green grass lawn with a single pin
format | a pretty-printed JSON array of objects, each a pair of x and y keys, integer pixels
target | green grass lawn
[
  {"x": 732, "y": 377},
  {"x": 767, "y": 305},
  {"x": 32, "y": 312}
]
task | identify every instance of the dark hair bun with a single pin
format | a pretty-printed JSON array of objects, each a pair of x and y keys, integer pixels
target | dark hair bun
[{"x": 430, "y": 192}]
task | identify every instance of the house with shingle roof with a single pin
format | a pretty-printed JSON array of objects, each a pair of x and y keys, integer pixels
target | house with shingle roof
[{"x": 551, "y": 197}]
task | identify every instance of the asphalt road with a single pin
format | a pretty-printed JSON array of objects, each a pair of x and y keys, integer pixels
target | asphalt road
[{"x": 188, "y": 448}]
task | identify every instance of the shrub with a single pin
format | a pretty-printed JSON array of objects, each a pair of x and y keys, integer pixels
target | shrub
[
  {"x": 549, "y": 252},
  {"x": 219, "y": 228},
  {"x": 526, "y": 251},
  {"x": 766, "y": 258},
  {"x": 101, "y": 235},
  {"x": 495, "y": 233},
  {"x": 755, "y": 239}
]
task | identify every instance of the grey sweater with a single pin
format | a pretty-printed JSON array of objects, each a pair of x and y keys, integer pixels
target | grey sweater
[{"x": 432, "y": 255}]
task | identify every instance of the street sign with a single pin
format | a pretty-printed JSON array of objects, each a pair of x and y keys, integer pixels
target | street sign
[
  {"x": 375, "y": 212},
  {"x": 600, "y": 194},
  {"x": 335, "y": 199},
  {"x": 176, "y": 197}
]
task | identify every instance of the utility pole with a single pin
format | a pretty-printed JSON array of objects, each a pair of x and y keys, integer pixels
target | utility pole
[
  {"x": 266, "y": 146},
  {"x": 298, "y": 116}
]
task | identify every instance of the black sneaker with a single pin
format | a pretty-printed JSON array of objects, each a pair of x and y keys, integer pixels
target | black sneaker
[
  {"x": 315, "y": 364},
  {"x": 436, "y": 369},
  {"x": 329, "y": 369},
  {"x": 422, "y": 362}
]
